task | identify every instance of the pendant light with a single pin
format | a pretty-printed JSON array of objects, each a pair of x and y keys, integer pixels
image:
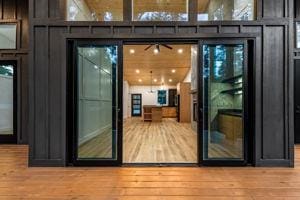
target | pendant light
[{"x": 151, "y": 85}]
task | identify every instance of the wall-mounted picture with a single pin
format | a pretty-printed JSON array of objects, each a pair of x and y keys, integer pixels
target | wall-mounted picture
[{"x": 162, "y": 97}]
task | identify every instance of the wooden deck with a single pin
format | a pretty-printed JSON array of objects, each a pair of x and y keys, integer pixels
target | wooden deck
[{"x": 17, "y": 181}]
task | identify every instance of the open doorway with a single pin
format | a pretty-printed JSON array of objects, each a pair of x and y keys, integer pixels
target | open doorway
[{"x": 159, "y": 103}]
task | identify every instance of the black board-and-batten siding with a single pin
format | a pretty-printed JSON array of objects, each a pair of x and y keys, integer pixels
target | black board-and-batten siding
[
  {"x": 272, "y": 34},
  {"x": 16, "y": 12}
]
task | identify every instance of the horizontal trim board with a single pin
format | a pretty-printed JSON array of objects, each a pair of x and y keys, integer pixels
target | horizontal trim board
[
  {"x": 273, "y": 163},
  {"x": 46, "y": 163},
  {"x": 45, "y": 22},
  {"x": 161, "y": 36}
]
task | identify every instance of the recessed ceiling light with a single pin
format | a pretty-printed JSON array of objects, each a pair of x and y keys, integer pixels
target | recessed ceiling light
[
  {"x": 180, "y": 51},
  {"x": 155, "y": 80},
  {"x": 140, "y": 80},
  {"x": 155, "y": 51},
  {"x": 137, "y": 71},
  {"x": 170, "y": 80},
  {"x": 173, "y": 70},
  {"x": 131, "y": 51}
]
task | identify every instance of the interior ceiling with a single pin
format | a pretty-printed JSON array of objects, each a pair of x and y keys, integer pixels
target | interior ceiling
[
  {"x": 116, "y": 6},
  {"x": 160, "y": 64},
  {"x": 203, "y": 5},
  {"x": 101, "y": 6}
]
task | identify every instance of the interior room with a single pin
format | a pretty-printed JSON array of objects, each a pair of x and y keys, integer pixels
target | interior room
[
  {"x": 162, "y": 10},
  {"x": 159, "y": 85}
]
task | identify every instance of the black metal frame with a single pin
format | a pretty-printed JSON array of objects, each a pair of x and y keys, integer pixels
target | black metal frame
[
  {"x": 117, "y": 110},
  {"x": 12, "y": 139},
  {"x": 141, "y": 100},
  {"x": 120, "y": 42},
  {"x": 247, "y": 121}
]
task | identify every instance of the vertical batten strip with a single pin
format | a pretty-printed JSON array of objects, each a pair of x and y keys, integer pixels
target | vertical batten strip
[
  {"x": 127, "y": 10},
  {"x": 192, "y": 10}
]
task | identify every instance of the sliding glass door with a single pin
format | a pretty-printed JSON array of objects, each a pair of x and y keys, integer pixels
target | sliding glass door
[
  {"x": 97, "y": 111},
  {"x": 8, "y": 102},
  {"x": 224, "y": 83}
]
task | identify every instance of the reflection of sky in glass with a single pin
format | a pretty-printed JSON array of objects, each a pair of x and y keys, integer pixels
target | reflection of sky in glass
[
  {"x": 112, "y": 54},
  {"x": 6, "y": 70},
  {"x": 298, "y": 34}
]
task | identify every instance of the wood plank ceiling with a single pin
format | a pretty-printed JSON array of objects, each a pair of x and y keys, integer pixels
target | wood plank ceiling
[
  {"x": 100, "y": 7},
  {"x": 115, "y": 7},
  {"x": 169, "y": 67}
]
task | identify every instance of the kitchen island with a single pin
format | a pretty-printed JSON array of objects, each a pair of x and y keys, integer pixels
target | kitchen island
[{"x": 152, "y": 113}]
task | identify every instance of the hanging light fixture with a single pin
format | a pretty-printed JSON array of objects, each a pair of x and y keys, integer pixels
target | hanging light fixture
[{"x": 151, "y": 84}]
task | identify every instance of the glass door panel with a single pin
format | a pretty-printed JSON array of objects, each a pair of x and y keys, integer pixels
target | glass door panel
[
  {"x": 224, "y": 72},
  {"x": 7, "y": 102},
  {"x": 96, "y": 103}
]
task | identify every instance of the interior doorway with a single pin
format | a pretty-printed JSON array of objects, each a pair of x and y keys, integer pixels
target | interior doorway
[{"x": 164, "y": 75}]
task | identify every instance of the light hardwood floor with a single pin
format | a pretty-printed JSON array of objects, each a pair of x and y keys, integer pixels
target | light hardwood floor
[
  {"x": 17, "y": 181},
  {"x": 161, "y": 142},
  {"x": 98, "y": 147}
]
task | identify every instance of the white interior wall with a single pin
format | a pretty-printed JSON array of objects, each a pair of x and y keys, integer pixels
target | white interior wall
[
  {"x": 126, "y": 96},
  {"x": 147, "y": 97},
  {"x": 194, "y": 65}
]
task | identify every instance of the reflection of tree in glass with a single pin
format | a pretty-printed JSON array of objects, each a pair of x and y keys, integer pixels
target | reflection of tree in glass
[
  {"x": 112, "y": 53},
  {"x": 162, "y": 16},
  {"x": 238, "y": 56},
  {"x": 206, "y": 60},
  {"x": 219, "y": 62},
  {"x": 6, "y": 70}
]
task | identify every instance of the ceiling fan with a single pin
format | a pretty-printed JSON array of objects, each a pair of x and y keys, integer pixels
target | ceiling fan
[{"x": 157, "y": 47}]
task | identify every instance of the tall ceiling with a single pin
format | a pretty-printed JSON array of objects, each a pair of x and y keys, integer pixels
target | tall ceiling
[
  {"x": 203, "y": 5},
  {"x": 161, "y": 64},
  {"x": 115, "y": 7},
  {"x": 139, "y": 6}
]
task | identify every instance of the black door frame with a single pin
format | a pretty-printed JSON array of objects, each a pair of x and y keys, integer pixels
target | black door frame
[
  {"x": 141, "y": 100},
  {"x": 296, "y": 104},
  {"x": 12, "y": 139},
  {"x": 139, "y": 41},
  {"x": 247, "y": 117},
  {"x": 117, "y": 112}
]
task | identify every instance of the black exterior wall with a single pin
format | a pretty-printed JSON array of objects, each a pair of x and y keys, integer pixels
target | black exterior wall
[
  {"x": 16, "y": 11},
  {"x": 272, "y": 34}
]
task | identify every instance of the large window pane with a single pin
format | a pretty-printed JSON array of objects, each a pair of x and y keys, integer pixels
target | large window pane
[
  {"x": 160, "y": 10},
  {"x": 94, "y": 10},
  {"x": 223, "y": 70},
  {"x": 6, "y": 99},
  {"x": 298, "y": 35},
  {"x": 218, "y": 10},
  {"x": 8, "y": 36},
  {"x": 96, "y": 102}
]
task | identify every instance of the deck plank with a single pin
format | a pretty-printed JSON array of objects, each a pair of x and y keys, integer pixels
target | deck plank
[{"x": 17, "y": 181}]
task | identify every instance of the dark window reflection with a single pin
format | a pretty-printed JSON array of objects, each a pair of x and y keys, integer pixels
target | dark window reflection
[{"x": 223, "y": 101}]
